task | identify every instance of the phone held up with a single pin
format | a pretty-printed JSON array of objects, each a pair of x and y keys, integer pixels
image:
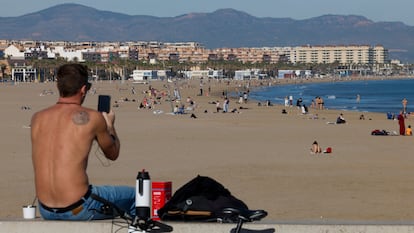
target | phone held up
[{"x": 104, "y": 103}]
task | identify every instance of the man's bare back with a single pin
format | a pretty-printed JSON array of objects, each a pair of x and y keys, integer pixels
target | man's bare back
[{"x": 62, "y": 136}]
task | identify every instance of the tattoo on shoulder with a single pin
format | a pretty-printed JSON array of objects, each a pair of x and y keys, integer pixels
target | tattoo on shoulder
[{"x": 80, "y": 118}]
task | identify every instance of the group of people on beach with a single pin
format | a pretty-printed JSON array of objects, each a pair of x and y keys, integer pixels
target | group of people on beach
[
  {"x": 401, "y": 119},
  {"x": 401, "y": 122},
  {"x": 317, "y": 103}
]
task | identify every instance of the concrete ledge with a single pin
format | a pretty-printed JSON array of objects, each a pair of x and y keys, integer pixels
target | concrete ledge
[
  {"x": 107, "y": 226},
  {"x": 41, "y": 226}
]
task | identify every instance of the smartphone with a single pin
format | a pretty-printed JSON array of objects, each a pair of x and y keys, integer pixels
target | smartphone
[{"x": 104, "y": 103}]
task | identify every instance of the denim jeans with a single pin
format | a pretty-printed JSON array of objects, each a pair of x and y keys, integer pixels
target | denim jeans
[{"x": 121, "y": 196}]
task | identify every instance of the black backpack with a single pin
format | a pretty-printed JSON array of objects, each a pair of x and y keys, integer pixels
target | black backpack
[{"x": 201, "y": 199}]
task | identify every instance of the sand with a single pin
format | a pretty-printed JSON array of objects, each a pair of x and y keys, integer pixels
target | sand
[{"x": 262, "y": 156}]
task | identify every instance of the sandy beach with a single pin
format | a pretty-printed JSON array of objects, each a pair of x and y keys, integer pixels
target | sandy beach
[{"x": 261, "y": 155}]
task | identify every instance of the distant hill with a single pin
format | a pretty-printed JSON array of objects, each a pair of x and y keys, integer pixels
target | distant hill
[{"x": 222, "y": 28}]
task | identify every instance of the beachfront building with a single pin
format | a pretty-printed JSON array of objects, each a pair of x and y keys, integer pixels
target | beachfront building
[
  {"x": 24, "y": 74},
  {"x": 216, "y": 74},
  {"x": 243, "y": 74},
  {"x": 199, "y": 74},
  {"x": 144, "y": 75},
  {"x": 294, "y": 74},
  {"x": 380, "y": 55},
  {"x": 342, "y": 54},
  {"x": 249, "y": 74}
]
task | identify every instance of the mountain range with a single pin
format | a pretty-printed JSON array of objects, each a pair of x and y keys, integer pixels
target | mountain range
[{"x": 219, "y": 29}]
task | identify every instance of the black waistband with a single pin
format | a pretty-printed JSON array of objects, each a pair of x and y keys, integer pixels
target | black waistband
[{"x": 70, "y": 207}]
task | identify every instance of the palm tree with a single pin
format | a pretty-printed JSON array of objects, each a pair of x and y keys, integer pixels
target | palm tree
[{"x": 3, "y": 69}]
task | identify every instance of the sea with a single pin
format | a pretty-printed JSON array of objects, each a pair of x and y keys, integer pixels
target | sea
[{"x": 381, "y": 96}]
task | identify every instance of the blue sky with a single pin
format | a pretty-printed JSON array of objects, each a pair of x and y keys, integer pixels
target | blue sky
[{"x": 376, "y": 10}]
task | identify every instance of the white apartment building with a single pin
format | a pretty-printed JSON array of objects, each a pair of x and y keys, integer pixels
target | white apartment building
[
  {"x": 343, "y": 54},
  {"x": 14, "y": 52},
  {"x": 69, "y": 54},
  {"x": 380, "y": 54}
]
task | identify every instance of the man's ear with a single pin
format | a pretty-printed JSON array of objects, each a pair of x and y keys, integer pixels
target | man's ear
[{"x": 83, "y": 90}]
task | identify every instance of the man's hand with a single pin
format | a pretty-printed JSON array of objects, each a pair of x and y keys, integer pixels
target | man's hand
[
  {"x": 111, "y": 151},
  {"x": 110, "y": 119}
]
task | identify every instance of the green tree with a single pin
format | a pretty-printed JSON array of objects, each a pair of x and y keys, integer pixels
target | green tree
[{"x": 3, "y": 68}]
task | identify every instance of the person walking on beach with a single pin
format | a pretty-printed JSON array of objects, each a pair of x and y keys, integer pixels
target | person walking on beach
[
  {"x": 245, "y": 96},
  {"x": 401, "y": 122},
  {"x": 61, "y": 137},
  {"x": 201, "y": 88},
  {"x": 404, "y": 104},
  {"x": 286, "y": 101},
  {"x": 226, "y": 105}
]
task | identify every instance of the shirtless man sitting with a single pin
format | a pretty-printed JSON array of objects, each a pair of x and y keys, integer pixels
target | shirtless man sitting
[{"x": 62, "y": 136}]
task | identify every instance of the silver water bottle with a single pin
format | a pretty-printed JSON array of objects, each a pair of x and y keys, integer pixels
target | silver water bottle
[{"x": 143, "y": 196}]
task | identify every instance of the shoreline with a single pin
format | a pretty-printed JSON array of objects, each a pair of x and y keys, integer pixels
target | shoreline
[{"x": 346, "y": 108}]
